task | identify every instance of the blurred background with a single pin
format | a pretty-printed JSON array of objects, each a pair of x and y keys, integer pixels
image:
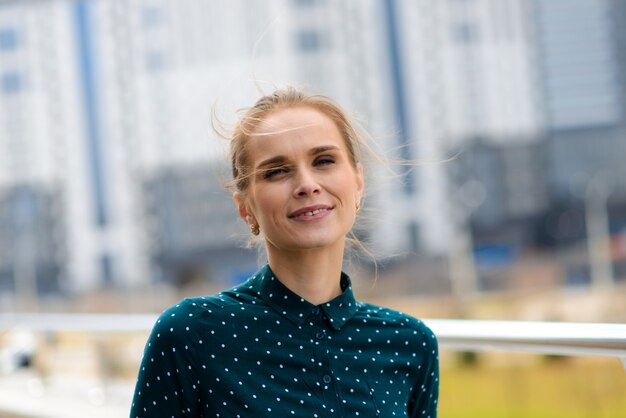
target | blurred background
[{"x": 112, "y": 176}]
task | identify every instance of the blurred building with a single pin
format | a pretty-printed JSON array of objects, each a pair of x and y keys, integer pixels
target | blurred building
[
  {"x": 38, "y": 122},
  {"x": 193, "y": 227},
  {"x": 428, "y": 76},
  {"x": 32, "y": 254},
  {"x": 105, "y": 112},
  {"x": 96, "y": 99},
  {"x": 584, "y": 89}
]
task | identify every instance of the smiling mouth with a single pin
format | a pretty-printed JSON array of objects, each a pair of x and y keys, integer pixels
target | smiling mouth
[
  {"x": 315, "y": 212},
  {"x": 311, "y": 213}
]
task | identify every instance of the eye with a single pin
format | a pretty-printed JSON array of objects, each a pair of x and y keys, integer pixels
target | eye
[
  {"x": 324, "y": 160},
  {"x": 271, "y": 173}
]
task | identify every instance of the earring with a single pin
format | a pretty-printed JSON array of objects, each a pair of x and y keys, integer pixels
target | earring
[
  {"x": 254, "y": 227},
  {"x": 358, "y": 205}
]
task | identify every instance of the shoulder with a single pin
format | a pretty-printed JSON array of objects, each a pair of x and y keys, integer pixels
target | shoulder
[
  {"x": 193, "y": 312},
  {"x": 399, "y": 322}
]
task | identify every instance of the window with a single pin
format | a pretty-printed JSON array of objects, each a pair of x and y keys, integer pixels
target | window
[
  {"x": 106, "y": 269},
  {"x": 413, "y": 231},
  {"x": 10, "y": 83},
  {"x": 304, "y": 3},
  {"x": 465, "y": 33},
  {"x": 8, "y": 39},
  {"x": 308, "y": 40},
  {"x": 150, "y": 17},
  {"x": 155, "y": 61}
]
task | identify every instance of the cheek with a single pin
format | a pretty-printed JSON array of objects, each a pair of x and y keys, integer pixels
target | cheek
[
  {"x": 347, "y": 189},
  {"x": 266, "y": 202}
]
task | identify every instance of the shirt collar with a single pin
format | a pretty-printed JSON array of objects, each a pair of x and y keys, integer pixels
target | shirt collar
[{"x": 295, "y": 308}]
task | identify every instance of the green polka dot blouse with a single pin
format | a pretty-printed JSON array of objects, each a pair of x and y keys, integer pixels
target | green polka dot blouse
[{"x": 260, "y": 350}]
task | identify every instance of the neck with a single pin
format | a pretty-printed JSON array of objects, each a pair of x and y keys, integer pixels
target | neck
[{"x": 314, "y": 274}]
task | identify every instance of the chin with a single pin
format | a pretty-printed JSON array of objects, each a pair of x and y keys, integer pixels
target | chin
[
  {"x": 309, "y": 242},
  {"x": 316, "y": 242},
  {"x": 313, "y": 245}
]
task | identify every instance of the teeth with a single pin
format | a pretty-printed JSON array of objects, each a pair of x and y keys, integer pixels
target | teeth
[{"x": 311, "y": 213}]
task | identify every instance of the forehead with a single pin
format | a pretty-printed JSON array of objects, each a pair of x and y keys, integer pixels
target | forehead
[{"x": 293, "y": 129}]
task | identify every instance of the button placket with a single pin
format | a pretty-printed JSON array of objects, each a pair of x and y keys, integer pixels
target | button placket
[{"x": 321, "y": 362}]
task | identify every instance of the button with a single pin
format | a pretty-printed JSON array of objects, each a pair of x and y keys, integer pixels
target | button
[
  {"x": 327, "y": 378},
  {"x": 320, "y": 335},
  {"x": 316, "y": 311}
]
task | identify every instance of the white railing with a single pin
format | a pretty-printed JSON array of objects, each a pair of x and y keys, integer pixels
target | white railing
[{"x": 560, "y": 338}]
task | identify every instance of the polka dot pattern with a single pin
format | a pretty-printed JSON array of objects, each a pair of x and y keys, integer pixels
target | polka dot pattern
[{"x": 261, "y": 350}]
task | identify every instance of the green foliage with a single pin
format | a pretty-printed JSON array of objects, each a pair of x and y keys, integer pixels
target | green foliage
[{"x": 579, "y": 388}]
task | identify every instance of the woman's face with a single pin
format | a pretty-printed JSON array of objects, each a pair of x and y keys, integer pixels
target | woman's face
[{"x": 304, "y": 187}]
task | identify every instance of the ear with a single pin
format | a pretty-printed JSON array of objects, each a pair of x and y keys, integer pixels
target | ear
[
  {"x": 241, "y": 206},
  {"x": 360, "y": 181}
]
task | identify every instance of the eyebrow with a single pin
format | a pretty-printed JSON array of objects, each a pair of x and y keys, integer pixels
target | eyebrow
[{"x": 279, "y": 159}]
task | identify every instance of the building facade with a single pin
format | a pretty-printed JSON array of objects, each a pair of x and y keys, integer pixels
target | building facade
[{"x": 106, "y": 143}]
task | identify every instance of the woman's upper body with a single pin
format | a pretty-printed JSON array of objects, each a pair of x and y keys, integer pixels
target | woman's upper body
[
  {"x": 292, "y": 340},
  {"x": 261, "y": 350}
]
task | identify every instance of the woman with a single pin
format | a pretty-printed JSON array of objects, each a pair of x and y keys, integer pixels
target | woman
[{"x": 292, "y": 340}]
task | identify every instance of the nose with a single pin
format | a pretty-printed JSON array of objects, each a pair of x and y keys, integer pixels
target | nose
[{"x": 306, "y": 184}]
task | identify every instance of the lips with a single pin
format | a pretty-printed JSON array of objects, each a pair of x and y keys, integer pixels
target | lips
[{"x": 310, "y": 212}]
